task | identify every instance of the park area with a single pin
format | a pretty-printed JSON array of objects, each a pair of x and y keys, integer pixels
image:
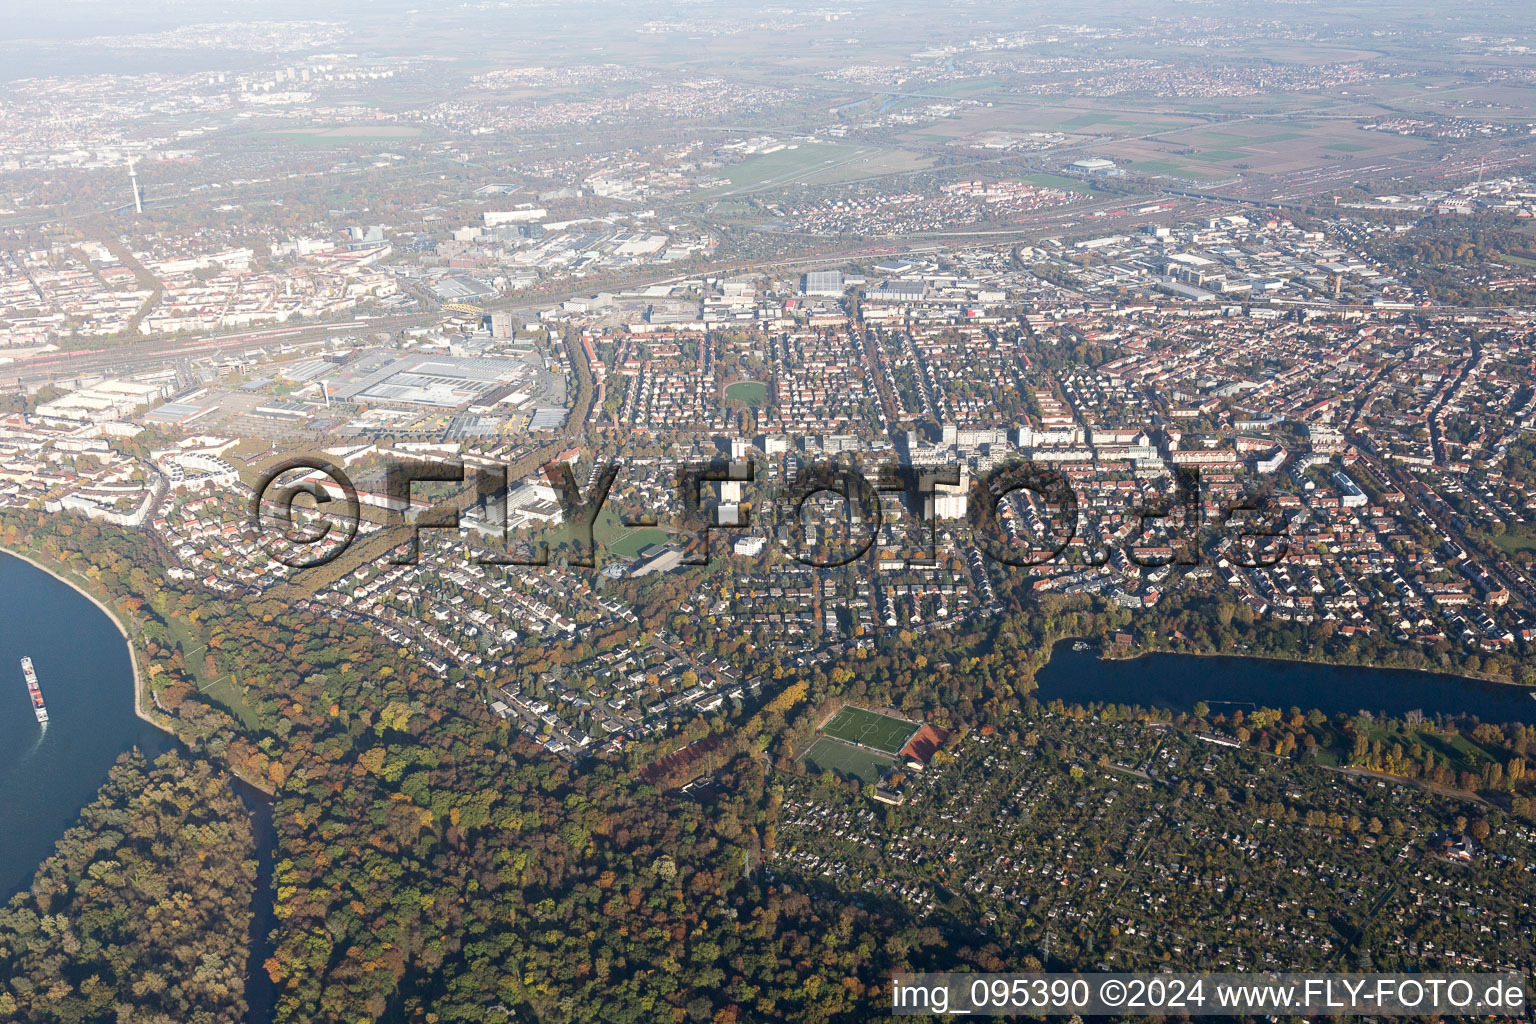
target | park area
[{"x": 751, "y": 393}]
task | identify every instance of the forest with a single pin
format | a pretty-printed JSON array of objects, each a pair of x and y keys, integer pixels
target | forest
[{"x": 142, "y": 913}]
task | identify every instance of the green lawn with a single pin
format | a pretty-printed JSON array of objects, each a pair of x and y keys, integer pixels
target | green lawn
[
  {"x": 223, "y": 690},
  {"x": 866, "y": 728},
  {"x": 1513, "y": 542},
  {"x": 1057, "y": 181},
  {"x": 633, "y": 541},
  {"x": 829, "y": 755},
  {"x": 753, "y": 393}
]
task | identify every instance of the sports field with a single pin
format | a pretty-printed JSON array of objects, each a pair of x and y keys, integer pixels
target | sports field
[
  {"x": 634, "y": 541},
  {"x": 614, "y": 538},
  {"x": 869, "y": 729},
  {"x": 829, "y": 755},
  {"x": 753, "y": 393}
]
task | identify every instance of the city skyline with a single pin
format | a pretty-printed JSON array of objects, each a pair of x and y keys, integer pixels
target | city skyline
[{"x": 734, "y": 512}]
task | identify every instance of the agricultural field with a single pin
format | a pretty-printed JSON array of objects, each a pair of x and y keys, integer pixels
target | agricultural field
[{"x": 1275, "y": 147}]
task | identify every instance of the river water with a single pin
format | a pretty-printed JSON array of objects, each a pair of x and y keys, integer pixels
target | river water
[{"x": 48, "y": 774}]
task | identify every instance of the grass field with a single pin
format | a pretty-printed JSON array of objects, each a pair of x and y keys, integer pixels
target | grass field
[
  {"x": 223, "y": 690},
  {"x": 1513, "y": 542},
  {"x": 337, "y": 135},
  {"x": 1267, "y": 146},
  {"x": 1214, "y": 156},
  {"x": 829, "y": 755},
  {"x": 354, "y": 131},
  {"x": 615, "y": 540},
  {"x": 771, "y": 168},
  {"x": 816, "y": 164},
  {"x": 856, "y": 725},
  {"x": 1165, "y": 167},
  {"x": 633, "y": 541},
  {"x": 753, "y": 393},
  {"x": 733, "y": 211},
  {"x": 1058, "y": 181}
]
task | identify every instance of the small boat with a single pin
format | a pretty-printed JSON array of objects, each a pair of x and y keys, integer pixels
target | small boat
[{"x": 1082, "y": 646}]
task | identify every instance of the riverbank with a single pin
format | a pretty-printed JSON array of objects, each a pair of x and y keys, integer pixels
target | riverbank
[
  {"x": 140, "y": 691},
  {"x": 53, "y": 771}
]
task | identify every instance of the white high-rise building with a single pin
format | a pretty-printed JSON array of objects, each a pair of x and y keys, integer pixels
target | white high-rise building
[{"x": 947, "y": 501}]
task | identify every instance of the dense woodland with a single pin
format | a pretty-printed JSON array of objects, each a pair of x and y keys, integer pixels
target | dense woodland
[
  {"x": 141, "y": 915},
  {"x": 434, "y": 866}
]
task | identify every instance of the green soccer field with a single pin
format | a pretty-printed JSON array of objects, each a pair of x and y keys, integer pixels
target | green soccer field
[
  {"x": 829, "y": 755},
  {"x": 881, "y": 732},
  {"x": 753, "y": 393}
]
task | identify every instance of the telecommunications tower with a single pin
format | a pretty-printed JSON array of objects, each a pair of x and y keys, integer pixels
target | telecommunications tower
[{"x": 133, "y": 178}]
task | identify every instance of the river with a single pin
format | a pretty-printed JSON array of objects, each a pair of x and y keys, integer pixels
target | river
[
  {"x": 260, "y": 989},
  {"x": 1177, "y": 681},
  {"x": 47, "y": 774}
]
